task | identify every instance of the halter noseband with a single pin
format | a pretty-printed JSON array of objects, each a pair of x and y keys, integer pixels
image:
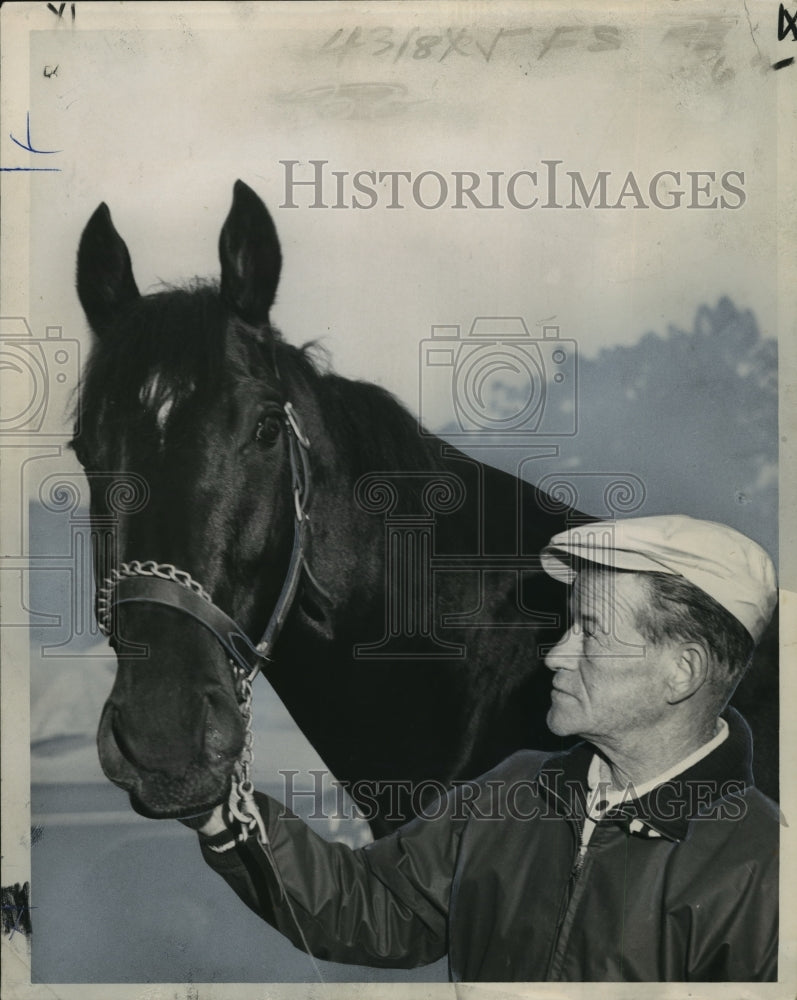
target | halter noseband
[{"x": 162, "y": 583}]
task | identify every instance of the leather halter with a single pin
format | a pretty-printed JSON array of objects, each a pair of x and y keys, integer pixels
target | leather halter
[{"x": 164, "y": 584}]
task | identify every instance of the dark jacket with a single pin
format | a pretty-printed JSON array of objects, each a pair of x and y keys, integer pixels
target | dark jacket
[{"x": 679, "y": 885}]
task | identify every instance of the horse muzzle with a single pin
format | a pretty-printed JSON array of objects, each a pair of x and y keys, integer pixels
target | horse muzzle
[{"x": 162, "y": 778}]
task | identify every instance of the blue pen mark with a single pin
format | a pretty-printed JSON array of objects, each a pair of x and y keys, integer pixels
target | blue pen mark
[{"x": 30, "y": 148}]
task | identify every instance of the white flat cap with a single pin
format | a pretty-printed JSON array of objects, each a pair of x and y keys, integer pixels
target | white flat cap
[{"x": 721, "y": 561}]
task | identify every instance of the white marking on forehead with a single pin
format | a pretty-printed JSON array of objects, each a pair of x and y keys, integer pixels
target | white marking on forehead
[
  {"x": 147, "y": 396},
  {"x": 163, "y": 414},
  {"x": 149, "y": 389}
]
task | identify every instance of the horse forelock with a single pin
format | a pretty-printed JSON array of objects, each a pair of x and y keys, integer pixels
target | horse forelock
[
  {"x": 183, "y": 343},
  {"x": 161, "y": 348},
  {"x": 172, "y": 346}
]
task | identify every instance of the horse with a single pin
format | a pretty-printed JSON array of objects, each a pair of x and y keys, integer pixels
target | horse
[{"x": 395, "y": 581}]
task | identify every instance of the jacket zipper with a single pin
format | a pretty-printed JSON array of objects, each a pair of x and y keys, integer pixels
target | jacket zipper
[
  {"x": 578, "y": 864},
  {"x": 576, "y": 870}
]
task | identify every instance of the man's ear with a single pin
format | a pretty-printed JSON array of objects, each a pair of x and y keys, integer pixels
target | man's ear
[{"x": 689, "y": 670}]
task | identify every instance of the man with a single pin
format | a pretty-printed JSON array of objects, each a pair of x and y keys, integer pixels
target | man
[{"x": 644, "y": 853}]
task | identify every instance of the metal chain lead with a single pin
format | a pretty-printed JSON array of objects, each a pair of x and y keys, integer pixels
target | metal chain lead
[
  {"x": 164, "y": 571},
  {"x": 241, "y": 802},
  {"x": 244, "y": 809}
]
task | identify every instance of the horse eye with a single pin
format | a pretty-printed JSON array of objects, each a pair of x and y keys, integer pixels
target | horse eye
[{"x": 268, "y": 430}]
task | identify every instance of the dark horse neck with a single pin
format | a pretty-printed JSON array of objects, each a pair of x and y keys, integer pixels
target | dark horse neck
[{"x": 426, "y": 665}]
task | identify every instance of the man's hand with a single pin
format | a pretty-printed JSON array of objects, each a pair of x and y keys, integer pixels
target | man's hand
[{"x": 208, "y": 824}]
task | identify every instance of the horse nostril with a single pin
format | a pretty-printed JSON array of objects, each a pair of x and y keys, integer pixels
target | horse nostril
[
  {"x": 119, "y": 737},
  {"x": 113, "y": 757},
  {"x": 223, "y": 730}
]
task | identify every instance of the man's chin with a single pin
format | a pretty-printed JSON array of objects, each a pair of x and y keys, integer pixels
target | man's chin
[{"x": 559, "y": 723}]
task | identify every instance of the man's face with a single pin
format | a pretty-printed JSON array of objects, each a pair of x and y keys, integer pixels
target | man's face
[{"x": 609, "y": 683}]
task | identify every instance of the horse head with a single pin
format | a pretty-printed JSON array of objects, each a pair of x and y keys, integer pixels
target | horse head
[
  {"x": 242, "y": 443},
  {"x": 184, "y": 389}
]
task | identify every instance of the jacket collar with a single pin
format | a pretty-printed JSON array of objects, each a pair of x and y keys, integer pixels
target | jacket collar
[{"x": 702, "y": 791}]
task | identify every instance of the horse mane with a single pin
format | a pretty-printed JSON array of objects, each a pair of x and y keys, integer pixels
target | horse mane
[
  {"x": 369, "y": 425},
  {"x": 177, "y": 331}
]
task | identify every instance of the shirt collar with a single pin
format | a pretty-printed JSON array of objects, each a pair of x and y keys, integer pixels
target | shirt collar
[
  {"x": 602, "y": 797},
  {"x": 701, "y": 787}
]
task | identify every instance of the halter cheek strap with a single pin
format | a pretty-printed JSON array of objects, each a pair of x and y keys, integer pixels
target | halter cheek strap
[{"x": 164, "y": 584}]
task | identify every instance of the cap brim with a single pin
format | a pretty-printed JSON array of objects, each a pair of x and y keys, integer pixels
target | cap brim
[{"x": 557, "y": 561}]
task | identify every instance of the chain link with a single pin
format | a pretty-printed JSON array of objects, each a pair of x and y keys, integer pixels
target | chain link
[
  {"x": 243, "y": 807},
  {"x": 241, "y": 802},
  {"x": 164, "y": 571}
]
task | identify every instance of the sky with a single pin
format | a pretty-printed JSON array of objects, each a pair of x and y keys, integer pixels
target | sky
[{"x": 159, "y": 124}]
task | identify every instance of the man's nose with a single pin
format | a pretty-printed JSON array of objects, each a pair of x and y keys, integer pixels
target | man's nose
[{"x": 564, "y": 655}]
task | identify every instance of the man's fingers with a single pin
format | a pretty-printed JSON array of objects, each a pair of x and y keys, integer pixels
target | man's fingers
[{"x": 208, "y": 823}]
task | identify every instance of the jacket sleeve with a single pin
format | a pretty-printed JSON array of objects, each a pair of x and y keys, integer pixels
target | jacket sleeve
[
  {"x": 742, "y": 942},
  {"x": 383, "y": 905},
  {"x": 727, "y": 920}
]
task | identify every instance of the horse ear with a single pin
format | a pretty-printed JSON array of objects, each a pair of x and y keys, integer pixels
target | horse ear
[
  {"x": 250, "y": 256},
  {"x": 105, "y": 279}
]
